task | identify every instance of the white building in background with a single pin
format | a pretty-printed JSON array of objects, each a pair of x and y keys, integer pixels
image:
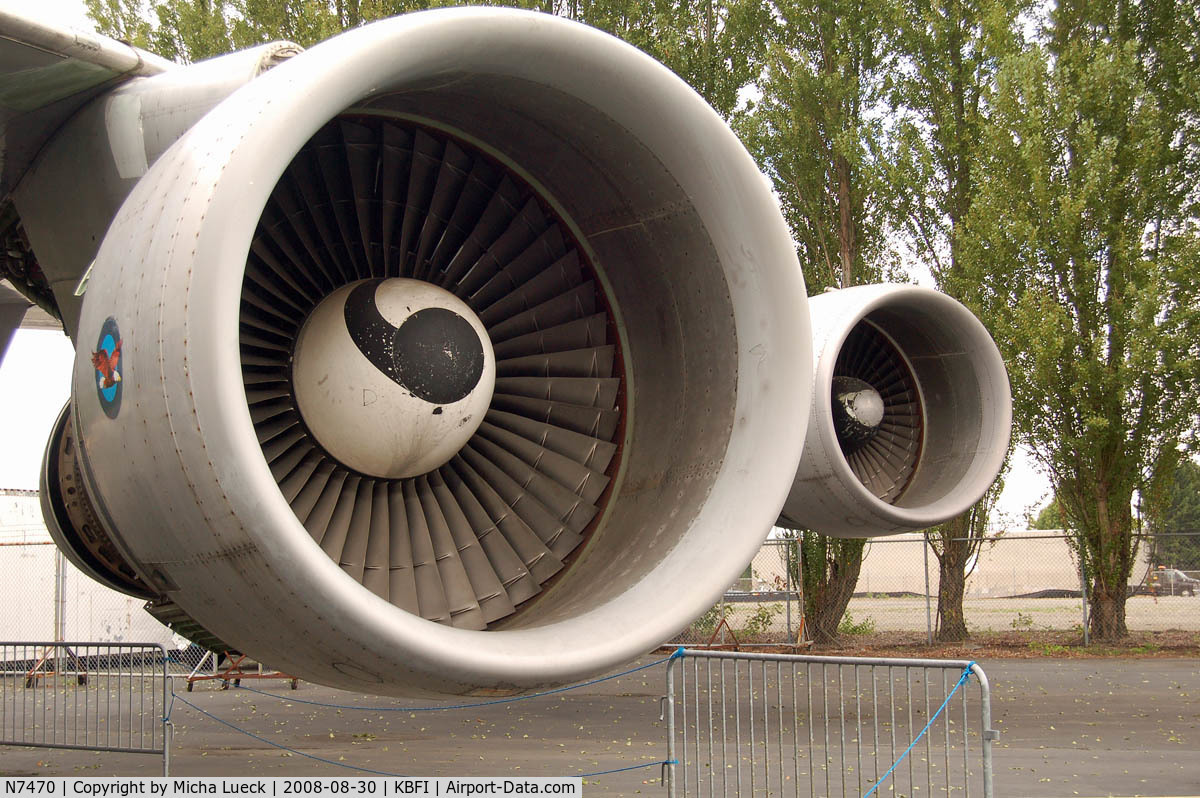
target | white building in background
[
  {"x": 21, "y": 516},
  {"x": 30, "y": 567},
  {"x": 1015, "y": 564}
]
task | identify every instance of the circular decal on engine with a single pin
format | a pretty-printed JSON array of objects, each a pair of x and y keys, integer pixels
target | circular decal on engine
[{"x": 107, "y": 362}]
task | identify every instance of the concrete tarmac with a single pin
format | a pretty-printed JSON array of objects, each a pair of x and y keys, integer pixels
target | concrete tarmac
[{"x": 1088, "y": 727}]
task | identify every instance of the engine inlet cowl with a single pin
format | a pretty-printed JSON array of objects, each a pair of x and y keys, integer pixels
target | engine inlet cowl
[
  {"x": 554, "y": 196},
  {"x": 911, "y": 413}
]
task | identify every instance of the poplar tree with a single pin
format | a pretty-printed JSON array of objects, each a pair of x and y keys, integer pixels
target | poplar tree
[
  {"x": 1081, "y": 255},
  {"x": 815, "y": 131},
  {"x": 950, "y": 53}
]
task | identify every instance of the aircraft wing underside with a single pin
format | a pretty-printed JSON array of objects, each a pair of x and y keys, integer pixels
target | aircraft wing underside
[{"x": 47, "y": 72}]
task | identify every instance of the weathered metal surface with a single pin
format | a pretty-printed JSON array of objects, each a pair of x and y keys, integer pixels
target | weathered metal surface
[{"x": 682, "y": 249}]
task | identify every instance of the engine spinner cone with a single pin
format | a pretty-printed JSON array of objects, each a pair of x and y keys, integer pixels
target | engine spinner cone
[
  {"x": 858, "y": 410},
  {"x": 393, "y": 376}
]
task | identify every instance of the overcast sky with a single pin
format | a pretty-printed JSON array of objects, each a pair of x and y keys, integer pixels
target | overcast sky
[
  {"x": 62, "y": 12},
  {"x": 34, "y": 385}
]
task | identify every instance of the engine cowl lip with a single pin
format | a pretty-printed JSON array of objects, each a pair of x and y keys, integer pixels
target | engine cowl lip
[
  {"x": 836, "y": 314},
  {"x": 935, "y": 304}
]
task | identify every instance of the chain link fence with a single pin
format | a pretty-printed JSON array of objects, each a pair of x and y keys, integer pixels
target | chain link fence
[
  {"x": 1017, "y": 582},
  {"x": 47, "y": 598}
]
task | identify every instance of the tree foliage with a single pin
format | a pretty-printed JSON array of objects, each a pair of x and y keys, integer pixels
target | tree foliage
[
  {"x": 1083, "y": 249},
  {"x": 816, "y": 132},
  {"x": 1176, "y": 523},
  {"x": 951, "y": 51},
  {"x": 1049, "y": 517},
  {"x": 715, "y": 45}
]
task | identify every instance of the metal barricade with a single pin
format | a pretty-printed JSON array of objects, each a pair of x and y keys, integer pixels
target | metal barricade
[
  {"x": 89, "y": 696},
  {"x": 782, "y": 725}
]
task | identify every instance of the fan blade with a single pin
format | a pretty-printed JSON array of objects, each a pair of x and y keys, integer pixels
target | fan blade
[
  {"x": 542, "y": 564},
  {"x": 575, "y": 478},
  {"x": 574, "y": 335},
  {"x": 591, "y": 452},
  {"x": 518, "y": 583},
  {"x": 377, "y": 557},
  {"x": 459, "y": 595},
  {"x": 431, "y": 594},
  {"x": 586, "y": 391}
]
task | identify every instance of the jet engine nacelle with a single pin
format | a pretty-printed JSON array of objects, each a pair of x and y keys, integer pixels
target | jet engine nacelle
[
  {"x": 910, "y": 418},
  {"x": 485, "y": 223}
]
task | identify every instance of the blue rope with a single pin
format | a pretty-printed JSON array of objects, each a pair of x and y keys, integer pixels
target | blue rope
[
  {"x": 966, "y": 674},
  {"x": 632, "y": 767},
  {"x": 676, "y": 655},
  {"x": 283, "y": 747},
  {"x": 369, "y": 770},
  {"x": 466, "y": 706}
]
